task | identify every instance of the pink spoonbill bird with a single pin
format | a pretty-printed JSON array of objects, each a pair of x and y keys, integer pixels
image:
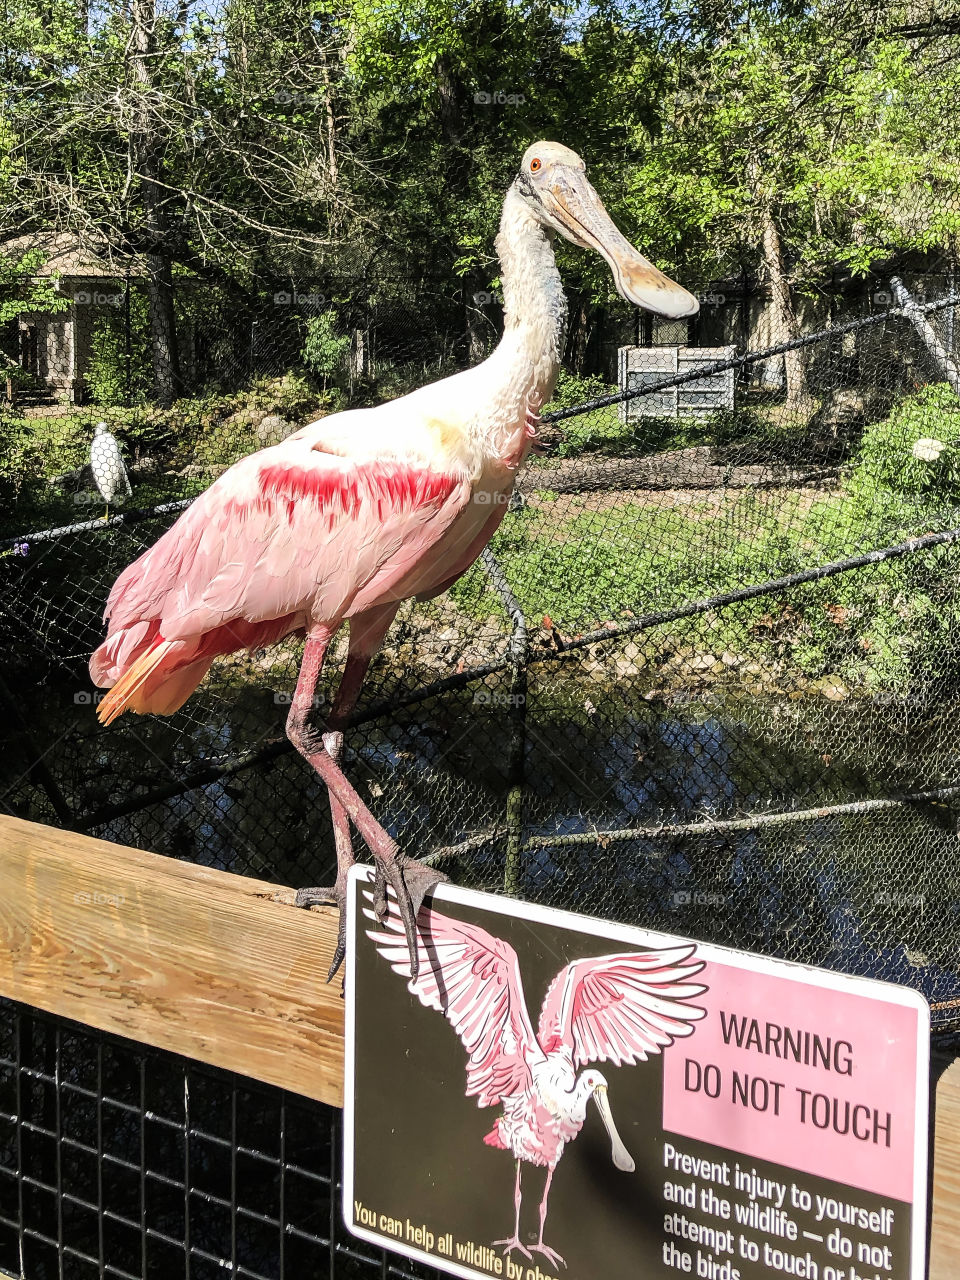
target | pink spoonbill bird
[
  {"x": 613, "y": 1008},
  {"x": 364, "y": 509}
]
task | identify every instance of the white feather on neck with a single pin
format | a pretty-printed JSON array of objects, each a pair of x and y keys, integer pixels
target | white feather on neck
[{"x": 525, "y": 364}]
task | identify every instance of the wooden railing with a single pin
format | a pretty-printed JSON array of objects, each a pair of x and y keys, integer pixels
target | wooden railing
[
  {"x": 200, "y": 962},
  {"x": 223, "y": 969}
]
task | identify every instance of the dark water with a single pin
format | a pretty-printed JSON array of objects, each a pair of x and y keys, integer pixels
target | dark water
[{"x": 875, "y": 893}]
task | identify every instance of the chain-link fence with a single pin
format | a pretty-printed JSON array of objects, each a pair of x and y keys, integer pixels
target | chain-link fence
[
  {"x": 704, "y": 682},
  {"x": 705, "y": 678}
]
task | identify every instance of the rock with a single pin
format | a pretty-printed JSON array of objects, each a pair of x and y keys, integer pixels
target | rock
[
  {"x": 199, "y": 470},
  {"x": 831, "y": 688},
  {"x": 273, "y": 429},
  {"x": 701, "y": 662}
]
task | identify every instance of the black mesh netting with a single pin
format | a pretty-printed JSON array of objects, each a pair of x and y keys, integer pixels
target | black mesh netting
[
  {"x": 706, "y": 678},
  {"x": 679, "y": 690}
]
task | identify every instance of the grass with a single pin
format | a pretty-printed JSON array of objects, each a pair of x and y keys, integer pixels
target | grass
[{"x": 584, "y": 560}]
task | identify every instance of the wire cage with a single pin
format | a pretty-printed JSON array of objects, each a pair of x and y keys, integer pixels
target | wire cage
[
  {"x": 705, "y": 677},
  {"x": 124, "y": 1161}
]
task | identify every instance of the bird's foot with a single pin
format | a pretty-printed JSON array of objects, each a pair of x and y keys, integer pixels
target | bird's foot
[
  {"x": 337, "y": 894},
  {"x": 508, "y": 1246},
  {"x": 411, "y": 881},
  {"x": 551, "y": 1255}
]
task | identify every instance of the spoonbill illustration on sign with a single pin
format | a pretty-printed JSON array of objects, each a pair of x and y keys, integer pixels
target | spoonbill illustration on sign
[{"x": 617, "y": 1008}]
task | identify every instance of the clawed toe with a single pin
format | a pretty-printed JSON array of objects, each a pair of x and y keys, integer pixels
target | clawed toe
[
  {"x": 335, "y": 896},
  {"x": 411, "y": 881},
  {"x": 318, "y": 898},
  {"x": 508, "y": 1246}
]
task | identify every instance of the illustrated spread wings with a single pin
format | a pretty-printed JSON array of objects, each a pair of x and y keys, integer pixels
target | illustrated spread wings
[
  {"x": 621, "y": 1008},
  {"x": 473, "y": 979}
]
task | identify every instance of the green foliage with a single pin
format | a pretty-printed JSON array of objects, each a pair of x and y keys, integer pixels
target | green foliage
[
  {"x": 325, "y": 350},
  {"x": 915, "y": 452},
  {"x": 187, "y": 446},
  {"x": 884, "y": 628},
  {"x": 20, "y": 292},
  {"x": 751, "y": 434},
  {"x": 116, "y": 376},
  {"x": 318, "y": 140}
]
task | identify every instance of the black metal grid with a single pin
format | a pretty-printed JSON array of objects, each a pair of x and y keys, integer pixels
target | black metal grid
[{"x": 122, "y": 1161}]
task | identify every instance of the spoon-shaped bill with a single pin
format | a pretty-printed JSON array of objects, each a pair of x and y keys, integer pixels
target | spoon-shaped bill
[
  {"x": 621, "y": 1156},
  {"x": 581, "y": 217}
]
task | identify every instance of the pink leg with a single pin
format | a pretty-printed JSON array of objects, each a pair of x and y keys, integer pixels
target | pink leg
[
  {"x": 550, "y": 1254},
  {"x": 514, "y": 1241},
  {"x": 366, "y": 635},
  {"x": 409, "y": 879}
]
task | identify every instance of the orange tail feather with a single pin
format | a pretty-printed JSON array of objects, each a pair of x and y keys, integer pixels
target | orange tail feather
[{"x": 125, "y": 690}]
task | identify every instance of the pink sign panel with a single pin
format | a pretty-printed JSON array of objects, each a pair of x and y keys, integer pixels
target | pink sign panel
[{"x": 821, "y": 1079}]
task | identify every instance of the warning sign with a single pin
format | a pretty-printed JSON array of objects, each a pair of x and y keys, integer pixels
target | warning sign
[{"x": 559, "y": 1096}]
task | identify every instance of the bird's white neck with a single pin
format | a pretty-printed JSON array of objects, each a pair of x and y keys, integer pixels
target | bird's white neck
[
  {"x": 534, "y": 306},
  {"x": 525, "y": 364}
]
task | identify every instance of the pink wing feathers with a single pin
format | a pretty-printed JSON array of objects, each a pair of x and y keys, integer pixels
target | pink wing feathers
[
  {"x": 621, "y": 1008},
  {"x": 473, "y": 979},
  {"x": 288, "y": 537}
]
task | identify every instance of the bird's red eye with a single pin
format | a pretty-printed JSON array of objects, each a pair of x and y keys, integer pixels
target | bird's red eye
[{"x": 535, "y": 165}]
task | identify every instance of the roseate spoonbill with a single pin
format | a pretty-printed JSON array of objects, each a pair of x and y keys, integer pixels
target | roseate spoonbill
[
  {"x": 106, "y": 463},
  {"x": 614, "y": 1008},
  {"x": 361, "y": 510}
]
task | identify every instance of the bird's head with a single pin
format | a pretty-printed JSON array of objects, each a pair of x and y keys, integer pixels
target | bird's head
[
  {"x": 552, "y": 182},
  {"x": 593, "y": 1082}
]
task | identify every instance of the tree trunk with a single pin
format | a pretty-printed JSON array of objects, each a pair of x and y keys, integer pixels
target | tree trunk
[
  {"x": 452, "y": 124},
  {"x": 578, "y": 335},
  {"x": 330, "y": 120},
  {"x": 145, "y": 147},
  {"x": 785, "y": 326},
  {"x": 940, "y": 351},
  {"x": 451, "y": 114}
]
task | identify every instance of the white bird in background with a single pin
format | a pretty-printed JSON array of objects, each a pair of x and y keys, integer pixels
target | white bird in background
[{"x": 106, "y": 463}]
